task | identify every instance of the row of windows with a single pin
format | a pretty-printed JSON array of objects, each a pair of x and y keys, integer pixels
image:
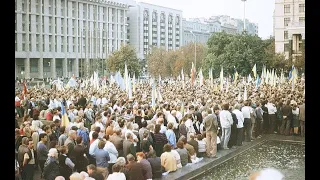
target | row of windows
[
  {"x": 288, "y": 10},
  {"x": 53, "y": 45},
  {"x": 55, "y": 9},
  {"x": 287, "y": 21}
]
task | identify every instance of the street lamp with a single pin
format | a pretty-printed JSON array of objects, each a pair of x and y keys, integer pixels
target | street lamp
[
  {"x": 244, "y": 14},
  {"x": 195, "y": 51}
]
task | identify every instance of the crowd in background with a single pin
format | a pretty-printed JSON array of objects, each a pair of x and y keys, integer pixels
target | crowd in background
[{"x": 110, "y": 136}]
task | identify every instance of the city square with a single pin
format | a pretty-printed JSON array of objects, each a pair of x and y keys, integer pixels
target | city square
[{"x": 146, "y": 90}]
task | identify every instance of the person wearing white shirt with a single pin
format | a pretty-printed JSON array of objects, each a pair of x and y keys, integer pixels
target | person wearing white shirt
[
  {"x": 113, "y": 153},
  {"x": 272, "y": 109},
  {"x": 94, "y": 147},
  {"x": 163, "y": 128},
  {"x": 226, "y": 122},
  {"x": 116, "y": 174},
  {"x": 240, "y": 118},
  {"x": 104, "y": 101},
  {"x": 246, "y": 111}
]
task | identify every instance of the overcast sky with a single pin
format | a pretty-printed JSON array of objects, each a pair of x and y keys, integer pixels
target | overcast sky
[{"x": 258, "y": 11}]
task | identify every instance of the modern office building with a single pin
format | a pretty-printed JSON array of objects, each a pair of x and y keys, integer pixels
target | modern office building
[
  {"x": 289, "y": 27},
  {"x": 59, "y": 38},
  {"x": 154, "y": 26}
]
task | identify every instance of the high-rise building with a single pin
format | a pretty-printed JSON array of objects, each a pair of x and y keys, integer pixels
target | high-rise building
[
  {"x": 289, "y": 27},
  {"x": 154, "y": 26},
  {"x": 59, "y": 38}
]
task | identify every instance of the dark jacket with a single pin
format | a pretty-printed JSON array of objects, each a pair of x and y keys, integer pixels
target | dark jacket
[
  {"x": 156, "y": 167},
  {"x": 81, "y": 162},
  {"x": 128, "y": 148},
  {"x": 135, "y": 171},
  {"x": 82, "y": 102},
  {"x": 146, "y": 167},
  {"x": 51, "y": 169},
  {"x": 64, "y": 169}
]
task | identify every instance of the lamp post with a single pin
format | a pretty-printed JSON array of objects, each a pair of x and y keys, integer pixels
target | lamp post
[
  {"x": 195, "y": 51},
  {"x": 244, "y": 14}
]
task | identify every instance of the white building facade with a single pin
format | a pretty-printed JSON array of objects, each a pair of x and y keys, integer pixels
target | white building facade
[
  {"x": 203, "y": 28},
  {"x": 61, "y": 38},
  {"x": 289, "y": 27},
  {"x": 154, "y": 26}
]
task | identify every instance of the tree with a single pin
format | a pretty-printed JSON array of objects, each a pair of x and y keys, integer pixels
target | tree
[
  {"x": 275, "y": 60},
  {"x": 126, "y": 54},
  {"x": 242, "y": 51},
  {"x": 156, "y": 62}
]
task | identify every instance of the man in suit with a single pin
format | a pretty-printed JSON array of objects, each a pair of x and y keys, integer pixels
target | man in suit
[
  {"x": 117, "y": 141},
  {"x": 302, "y": 117},
  {"x": 128, "y": 147}
]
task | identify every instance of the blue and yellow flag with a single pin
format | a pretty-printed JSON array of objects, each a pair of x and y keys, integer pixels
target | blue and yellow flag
[{"x": 65, "y": 119}]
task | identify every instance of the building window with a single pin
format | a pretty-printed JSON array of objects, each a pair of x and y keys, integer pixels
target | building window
[
  {"x": 286, "y": 21},
  {"x": 301, "y": 8},
  {"x": 301, "y": 20},
  {"x": 285, "y": 35},
  {"x": 287, "y": 8},
  {"x": 286, "y": 47},
  {"x": 34, "y": 65}
]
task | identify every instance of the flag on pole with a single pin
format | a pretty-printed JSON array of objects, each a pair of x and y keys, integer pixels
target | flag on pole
[
  {"x": 153, "y": 98},
  {"x": 65, "y": 119},
  {"x": 192, "y": 74},
  {"x": 130, "y": 88},
  {"x": 182, "y": 75},
  {"x": 134, "y": 83},
  {"x": 211, "y": 77},
  {"x": 249, "y": 78},
  {"x": 221, "y": 79},
  {"x": 254, "y": 70},
  {"x": 235, "y": 75},
  {"x": 126, "y": 77},
  {"x": 227, "y": 87},
  {"x": 200, "y": 77},
  {"x": 245, "y": 93},
  {"x": 258, "y": 81}
]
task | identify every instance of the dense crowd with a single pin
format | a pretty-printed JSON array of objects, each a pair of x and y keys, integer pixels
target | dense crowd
[{"x": 110, "y": 136}]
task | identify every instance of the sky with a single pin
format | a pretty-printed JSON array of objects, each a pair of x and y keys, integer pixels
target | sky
[{"x": 257, "y": 11}]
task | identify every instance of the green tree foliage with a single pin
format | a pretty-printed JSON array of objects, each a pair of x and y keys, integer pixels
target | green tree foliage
[
  {"x": 126, "y": 54},
  {"x": 242, "y": 51}
]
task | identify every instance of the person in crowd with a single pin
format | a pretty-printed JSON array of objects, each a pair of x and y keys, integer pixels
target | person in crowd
[
  {"x": 128, "y": 145},
  {"x": 81, "y": 155},
  {"x": 183, "y": 153},
  {"x": 113, "y": 153},
  {"x": 135, "y": 170},
  {"x": 155, "y": 163},
  {"x": 226, "y": 123},
  {"x": 240, "y": 119},
  {"x": 51, "y": 166},
  {"x": 201, "y": 146},
  {"x": 102, "y": 156},
  {"x": 146, "y": 166},
  {"x": 66, "y": 166},
  {"x": 116, "y": 174},
  {"x": 94, "y": 173},
  {"x": 168, "y": 162},
  {"x": 302, "y": 118},
  {"x": 42, "y": 151},
  {"x": 247, "y": 111},
  {"x": 27, "y": 158}
]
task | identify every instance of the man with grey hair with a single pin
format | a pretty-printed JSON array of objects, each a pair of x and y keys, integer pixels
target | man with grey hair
[
  {"x": 211, "y": 125},
  {"x": 70, "y": 143}
]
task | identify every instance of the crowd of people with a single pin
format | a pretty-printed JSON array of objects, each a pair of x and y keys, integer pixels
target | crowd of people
[{"x": 110, "y": 136}]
